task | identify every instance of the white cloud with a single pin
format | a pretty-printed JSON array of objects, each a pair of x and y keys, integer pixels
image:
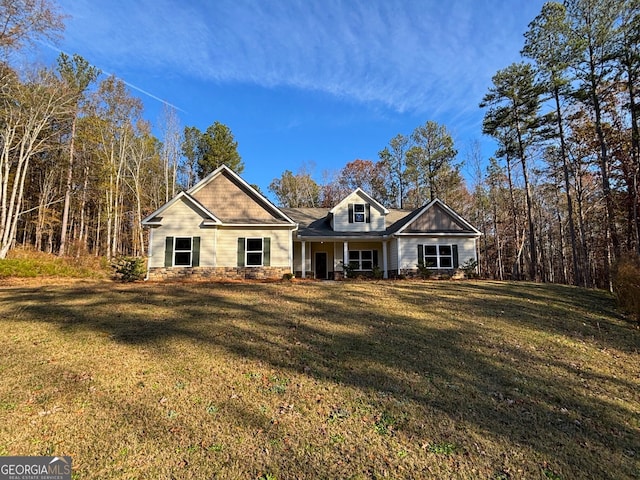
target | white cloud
[{"x": 423, "y": 56}]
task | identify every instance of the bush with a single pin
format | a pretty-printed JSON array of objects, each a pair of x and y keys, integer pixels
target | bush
[
  {"x": 348, "y": 269},
  {"x": 378, "y": 273},
  {"x": 130, "y": 269},
  {"x": 470, "y": 268},
  {"x": 424, "y": 271},
  {"x": 626, "y": 286}
]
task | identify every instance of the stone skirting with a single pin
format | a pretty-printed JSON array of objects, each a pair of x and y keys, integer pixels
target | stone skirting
[
  {"x": 218, "y": 273},
  {"x": 454, "y": 273}
]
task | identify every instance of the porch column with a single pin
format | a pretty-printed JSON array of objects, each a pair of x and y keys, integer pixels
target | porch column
[
  {"x": 384, "y": 260},
  {"x": 304, "y": 259},
  {"x": 345, "y": 257}
]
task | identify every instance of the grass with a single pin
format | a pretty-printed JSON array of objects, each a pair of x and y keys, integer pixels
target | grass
[
  {"x": 24, "y": 263},
  {"x": 320, "y": 380}
]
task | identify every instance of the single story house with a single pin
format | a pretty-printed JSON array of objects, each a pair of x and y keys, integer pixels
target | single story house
[{"x": 223, "y": 228}]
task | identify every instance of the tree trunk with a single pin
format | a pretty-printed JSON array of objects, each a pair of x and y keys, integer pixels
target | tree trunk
[
  {"x": 567, "y": 187},
  {"x": 533, "y": 266},
  {"x": 67, "y": 192},
  {"x": 516, "y": 270}
]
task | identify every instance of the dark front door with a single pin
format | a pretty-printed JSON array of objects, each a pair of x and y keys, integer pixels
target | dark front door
[{"x": 321, "y": 265}]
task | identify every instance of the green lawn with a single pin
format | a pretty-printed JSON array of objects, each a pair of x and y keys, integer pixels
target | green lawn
[{"x": 435, "y": 379}]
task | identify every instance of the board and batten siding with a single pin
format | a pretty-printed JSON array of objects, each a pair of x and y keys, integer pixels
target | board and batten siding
[{"x": 408, "y": 259}]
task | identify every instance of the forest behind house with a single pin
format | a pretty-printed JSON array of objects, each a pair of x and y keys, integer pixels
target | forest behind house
[{"x": 80, "y": 166}]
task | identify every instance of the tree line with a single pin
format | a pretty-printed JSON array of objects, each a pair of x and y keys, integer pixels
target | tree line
[
  {"x": 79, "y": 166},
  {"x": 411, "y": 171},
  {"x": 557, "y": 202}
]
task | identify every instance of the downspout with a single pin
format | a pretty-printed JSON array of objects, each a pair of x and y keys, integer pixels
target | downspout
[{"x": 291, "y": 247}]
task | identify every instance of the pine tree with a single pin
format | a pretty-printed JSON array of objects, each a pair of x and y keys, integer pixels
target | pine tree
[{"x": 217, "y": 147}]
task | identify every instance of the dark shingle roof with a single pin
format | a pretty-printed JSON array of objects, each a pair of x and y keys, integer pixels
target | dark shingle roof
[{"x": 316, "y": 222}]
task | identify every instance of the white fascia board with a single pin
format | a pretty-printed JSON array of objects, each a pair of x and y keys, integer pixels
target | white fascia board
[
  {"x": 366, "y": 197},
  {"x": 475, "y": 231},
  {"x": 439, "y": 234},
  {"x": 148, "y": 221},
  {"x": 260, "y": 225}
]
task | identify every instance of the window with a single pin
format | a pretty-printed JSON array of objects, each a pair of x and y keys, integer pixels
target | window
[
  {"x": 182, "y": 252},
  {"x": 359, "y": 213},
  {"x": 254, "y": 252},
  {"x": 438, "y": 256},
  {"x": 361, "y": 259}
]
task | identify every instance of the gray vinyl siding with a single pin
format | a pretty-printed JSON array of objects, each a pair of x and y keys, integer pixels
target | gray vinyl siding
[
  {"x": 393, "y": 254},
  {"x": 227, "y": 243},
  {"x": 180, "y": 220},
  {"x": 341, "y": 217},
  {"x": 409, "y": 249},
  {"x": 218, "y": 245}
]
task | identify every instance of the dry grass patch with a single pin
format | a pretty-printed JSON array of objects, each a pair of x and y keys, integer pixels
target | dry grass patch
[
  {"x": 29, "y": 264},
  {"x": 320, "y": 380}
]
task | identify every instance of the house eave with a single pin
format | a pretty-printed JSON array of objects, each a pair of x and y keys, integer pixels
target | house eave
[
  {"x": 209, "y": 217},
  {"x": 437, "y": 234},
  {"x": 366, "y": 196},
  {"x": 341, "y": 238},
  {"x": 259, "y": 225}
]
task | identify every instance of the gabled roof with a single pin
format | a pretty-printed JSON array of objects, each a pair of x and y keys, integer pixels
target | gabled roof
[
  {"x": 315, "y": 223},
  {"x": 238, "y": 210},
  {"x": 431, "y": 214},
  {"x": 228, "y": 211},
  {"x": 154, "y": 218},
  {"x": 365, "y": 196}
]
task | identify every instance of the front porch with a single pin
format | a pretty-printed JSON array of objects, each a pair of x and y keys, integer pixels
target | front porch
[{"x": 325, "y": 259}]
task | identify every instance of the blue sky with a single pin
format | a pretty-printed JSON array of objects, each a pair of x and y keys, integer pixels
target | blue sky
[{"x": 315, "y": 83}]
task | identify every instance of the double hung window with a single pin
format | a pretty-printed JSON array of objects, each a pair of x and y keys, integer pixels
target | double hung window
[
  {"x": 182, "y": 251},
  {"x": 253, "y": 252},
  {"x": 438, "y": 256},
  {"x": 361, "y": 259},
  {"x": 359, "y": 213}
]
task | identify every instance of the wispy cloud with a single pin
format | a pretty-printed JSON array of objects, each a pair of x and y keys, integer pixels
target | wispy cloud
[
  {"x": 130, "y": 85},
  {"x": 426, "y": 56}
]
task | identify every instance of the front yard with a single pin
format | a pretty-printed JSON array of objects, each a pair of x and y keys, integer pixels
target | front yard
[{"x": 320, "y": 380}]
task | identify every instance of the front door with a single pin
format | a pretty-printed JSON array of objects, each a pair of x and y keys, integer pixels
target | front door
[{"x": 321, "y": 265}]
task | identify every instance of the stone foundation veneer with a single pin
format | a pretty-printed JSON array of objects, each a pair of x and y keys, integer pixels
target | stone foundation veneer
[
  {"x": 454, "y": 273},
  {"x": 218, "y": 273}
]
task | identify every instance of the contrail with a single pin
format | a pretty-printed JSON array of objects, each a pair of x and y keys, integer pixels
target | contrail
[
  {"x": 147, "y": 93},
  {"x": 130, "y": 85}
]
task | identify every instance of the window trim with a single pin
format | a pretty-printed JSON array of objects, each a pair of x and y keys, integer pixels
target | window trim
[
  {"x": 438, "y": 255},
  {"x": 362, "y": 213},
  {"x": 176, "y": 251},
  {"x": 360, "y": 260},
  {"x": 247, "y": 251}
]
